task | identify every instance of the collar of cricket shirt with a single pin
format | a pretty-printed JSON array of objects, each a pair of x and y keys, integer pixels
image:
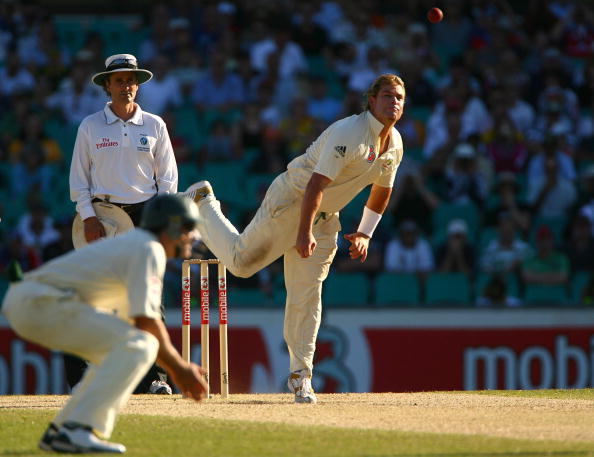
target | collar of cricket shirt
[
  {"x": 376, "y": 128},
  {"x": 110, "y": 116}
]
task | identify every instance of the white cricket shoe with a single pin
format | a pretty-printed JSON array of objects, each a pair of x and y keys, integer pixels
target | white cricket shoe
[
  {"x": 160, "y": 388},
  {"x": 45, "y": 444},
  {"x": 299, "y": 383},
  {"x": 73, "y": 438},
  {"x": 199, "y": 190}
]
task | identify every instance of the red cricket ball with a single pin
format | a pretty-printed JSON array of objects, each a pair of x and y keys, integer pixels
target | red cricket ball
[{"x": 434, "y": 15}]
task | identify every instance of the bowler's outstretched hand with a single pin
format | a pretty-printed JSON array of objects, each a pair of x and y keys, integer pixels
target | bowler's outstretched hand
[{"x": 359, "y": 245}]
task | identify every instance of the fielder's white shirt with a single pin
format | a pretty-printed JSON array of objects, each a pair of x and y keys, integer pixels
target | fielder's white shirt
[
  {"x": 123, "y": 274},
  {"x": 347, "y": 152},
  {"x": 125, "y": 160}
]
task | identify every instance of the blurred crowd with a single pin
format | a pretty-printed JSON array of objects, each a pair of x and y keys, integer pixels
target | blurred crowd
[{"x": 497, "y": 183}]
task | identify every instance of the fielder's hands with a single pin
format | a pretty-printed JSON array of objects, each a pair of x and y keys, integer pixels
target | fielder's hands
[
  {"x": 305, "y": 244},
  {"x": 359, "y": 245},
  {"x": 190, "y": 381},
  {"x": 93, "y": 229}
]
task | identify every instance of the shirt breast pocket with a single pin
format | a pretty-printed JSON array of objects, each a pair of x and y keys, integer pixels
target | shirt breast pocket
[
  {"x": 145, "y": 154},
  {"x": 145, "y": 144}
]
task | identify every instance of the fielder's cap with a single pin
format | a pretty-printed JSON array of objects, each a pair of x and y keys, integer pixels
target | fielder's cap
[
  {"x": 122, "y": 62},
  {"x": 464, "y": 151},
  {"x": 457, "y": 226},
  {"x": 114, "y": 219}
]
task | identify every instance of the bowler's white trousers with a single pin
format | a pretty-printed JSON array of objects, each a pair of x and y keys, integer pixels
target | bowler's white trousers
[
  {"x": 119, "y": 353},
  {"x": 271, "y": 234}
]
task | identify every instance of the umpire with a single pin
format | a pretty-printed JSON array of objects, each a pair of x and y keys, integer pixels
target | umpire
[{"x": 123, "y": 156}]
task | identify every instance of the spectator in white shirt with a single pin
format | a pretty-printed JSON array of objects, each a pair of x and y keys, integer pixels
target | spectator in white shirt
[
  {"x": 519, "y": 110},
  {"x": 465, "y": 182},
  {"x": 474, "y": 117},
  {"x": 30, "y": 172},
  {"x": 291, "y": 57},
  {"x": 551, "y": 195},
  {"x": 552, "y": 146},
  {"x": 160, "y": 38},
  {"x": 219, "y": 89},
  {"x": 36, "y": 227},
  {"x": 163, "y": 91},
  {"x": 375, "y": 63},
  {"x": 356, "y": 27},
  {"x": 554, "y": 118},
  {"x": 409, "y": 252},
  {"x": 320, "y": 104},
  {"x": 76, "y": 98},
  {"x": 15, "y": 78},
  {"x": 42, "y": 47},
  {"x": 507, "y": 251}
]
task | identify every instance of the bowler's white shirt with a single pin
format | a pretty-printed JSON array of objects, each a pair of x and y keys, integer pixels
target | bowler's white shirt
[
  {"x": 125, "y": 160},
  {"x": 347, "y": 152}
]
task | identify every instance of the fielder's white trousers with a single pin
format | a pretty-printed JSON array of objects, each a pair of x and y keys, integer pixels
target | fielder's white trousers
[
  {"x": 271, "y": 234},
  {"x": 119, "y": 353}
]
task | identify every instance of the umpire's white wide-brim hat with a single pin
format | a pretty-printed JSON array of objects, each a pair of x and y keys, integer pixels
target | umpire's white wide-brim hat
[
  {"x": 121, "y": 62},
  {"x": 114, "y": 219}
]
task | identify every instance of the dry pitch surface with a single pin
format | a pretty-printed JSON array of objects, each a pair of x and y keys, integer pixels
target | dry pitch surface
[{"x": 459, "y": 413}]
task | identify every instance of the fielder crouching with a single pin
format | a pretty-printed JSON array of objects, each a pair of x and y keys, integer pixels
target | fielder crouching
[{"x": 102, "y": 303}]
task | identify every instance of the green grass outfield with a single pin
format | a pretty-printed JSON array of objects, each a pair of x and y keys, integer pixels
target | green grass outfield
[
  {"x": 164, "y": 436},
  {"x": 557, "y": 394}
]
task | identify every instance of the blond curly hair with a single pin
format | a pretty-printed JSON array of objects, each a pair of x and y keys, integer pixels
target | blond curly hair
[{"x": 382, "y": 80}]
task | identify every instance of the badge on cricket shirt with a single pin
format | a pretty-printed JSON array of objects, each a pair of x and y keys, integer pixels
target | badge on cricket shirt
[
  {"x": 144, "y": 143},
  {"x": 341, "y": 150},
  {"x": 371, "y": 156}
]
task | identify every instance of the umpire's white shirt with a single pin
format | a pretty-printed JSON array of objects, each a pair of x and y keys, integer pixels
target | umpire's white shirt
[{"x": 129, "y": 161}]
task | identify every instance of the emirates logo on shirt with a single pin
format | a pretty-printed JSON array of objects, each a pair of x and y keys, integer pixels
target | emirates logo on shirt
[
  {"x": 106, "y": 143},
  {"x": 371, "y": 156}
]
